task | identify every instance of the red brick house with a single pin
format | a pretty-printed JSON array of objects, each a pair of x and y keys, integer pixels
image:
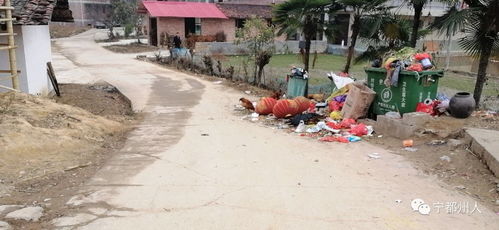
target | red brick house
[{"x": 200, "y": 18}]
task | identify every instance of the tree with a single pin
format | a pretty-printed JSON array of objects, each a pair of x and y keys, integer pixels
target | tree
[
  {"x": 418, "y": 6},
  {"x": 258, "y": 36},
  {"x": 360, "y": 9},
  {"x": 136, "y": 21},
  {"x": 122, "y": 13},
  {"x": 480, "y": 24},
  {"x": 306, "y": 16},
  {"x": 385, "y": 33}
]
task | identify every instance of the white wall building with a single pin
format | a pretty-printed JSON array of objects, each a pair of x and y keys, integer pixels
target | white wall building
[
  {"x": 33, "y": 45},
  {"x": 32, "y": 54}
]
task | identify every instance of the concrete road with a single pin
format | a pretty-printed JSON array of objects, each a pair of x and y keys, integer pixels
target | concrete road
[{"x": 193, "y": 164}]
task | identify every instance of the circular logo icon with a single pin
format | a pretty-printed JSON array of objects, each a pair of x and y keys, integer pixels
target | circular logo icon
[{"x": 386, "y": 95}]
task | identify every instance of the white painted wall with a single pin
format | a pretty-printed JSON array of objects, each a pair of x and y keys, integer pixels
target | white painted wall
[
  {"x": 37, "y": 50},
  {"x": 32, "y": 54}
]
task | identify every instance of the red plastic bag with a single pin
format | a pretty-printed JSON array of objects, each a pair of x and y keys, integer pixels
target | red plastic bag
[
  {"x": 415, "y": 67},
  {"x": 333, "y": 125},
  {"x": 347, "y": 123},
  {"x": 421, "y": 56},
  {"x": 343, "y": 74},
  {"x": 359, "y": 130},
  {"x": 430, "y": 108},
  {"x": 335, "y": 106},
  {"x": 311, "y": 108},
  {"x": 422, "y": 107},
  {"x": 334, "y": 139}
]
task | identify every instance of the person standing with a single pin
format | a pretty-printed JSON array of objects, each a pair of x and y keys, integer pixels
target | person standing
[{"x": 177, "y": 42}]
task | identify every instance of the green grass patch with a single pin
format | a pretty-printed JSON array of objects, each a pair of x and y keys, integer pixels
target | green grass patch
[{"x": 280, "y": 65}]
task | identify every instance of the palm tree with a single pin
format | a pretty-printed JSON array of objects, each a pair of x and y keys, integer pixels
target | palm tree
[
  {"x": 306, "y": 16},
  {"x": 385, "y": 33},
  {"x": 480, "y": 24},
  {"x": 360, "y": 9},
  {"x": 418, "y": 6}
]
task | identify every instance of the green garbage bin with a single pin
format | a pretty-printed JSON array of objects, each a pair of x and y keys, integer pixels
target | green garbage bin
[
  {"x": 413, "y": 87},
  {"x": 297, "y": 86}
]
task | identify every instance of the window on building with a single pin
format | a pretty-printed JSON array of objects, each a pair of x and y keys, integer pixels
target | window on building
[
  {"x": 240, "y": 23},
  {"x": 197, "y": 22},
  {"x": 340, "y": 33}
]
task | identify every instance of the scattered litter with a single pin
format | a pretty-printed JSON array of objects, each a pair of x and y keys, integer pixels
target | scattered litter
[
  {"x": 339, "y": 81},
  {"x": 436, "y": 142},
  {"x": 370, "y": 130},
  {"x": 374, "y": 155},
  {"x": 380, "y": 136},
  {"x": 408, "y": 143},
  {"x": 301, "y": 127},
  {"x": 204, "y": 134},
  {"x": 398, "y": 201},
  {"x": 323, "y": 125},
  {"x": 283, "y": 126},
  {"x": 334, "y": 139},
  {"x": 445, "y": 158},
  {"x": 347, "y": 123},
  {"x": 460, "y": 187},
  {"x": 410, "y": 149},
  {"x": 314, "y": 129},
  {"x": 247, "y": 92},
  {"x": 239, "y": 108},
  {"x": 336, "y": 115},
  {"x": 354, "y": 139},
  {"x": 254, "y": 116},
  {"x": 295, "y": 120},
  {"x": 359, "y": 130},
  {"x": 217, "y": 82}
]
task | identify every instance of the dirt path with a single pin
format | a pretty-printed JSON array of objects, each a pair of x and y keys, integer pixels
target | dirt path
[{"x": 193, "y": 164}]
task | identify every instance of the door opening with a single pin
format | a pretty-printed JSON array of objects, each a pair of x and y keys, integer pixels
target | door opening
[{"x": 153, "y": 31}]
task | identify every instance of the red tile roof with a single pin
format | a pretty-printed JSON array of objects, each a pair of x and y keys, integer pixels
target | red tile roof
[{"x": 183, "y": 9}]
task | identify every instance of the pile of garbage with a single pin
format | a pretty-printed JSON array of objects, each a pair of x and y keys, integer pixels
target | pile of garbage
[
  {"x": 415, "y": 91},
  {"x": 331, "y": 119},
  {"x": 405, "y": 59}
]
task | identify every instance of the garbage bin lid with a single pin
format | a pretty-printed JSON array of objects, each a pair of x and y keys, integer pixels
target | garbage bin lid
[{"x": 436, "y": 73}]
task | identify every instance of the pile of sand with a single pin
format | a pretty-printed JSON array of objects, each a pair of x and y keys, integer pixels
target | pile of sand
[{"x": 39, "y": 136}]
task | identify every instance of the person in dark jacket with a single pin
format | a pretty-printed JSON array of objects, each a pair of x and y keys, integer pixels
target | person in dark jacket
[{"x": 177, "y": 42}]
